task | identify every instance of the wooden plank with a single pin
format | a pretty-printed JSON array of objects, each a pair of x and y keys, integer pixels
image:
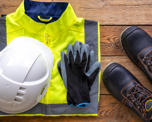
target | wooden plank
[
  {"x": 108, "y": 12},
  {"x": 110, "y": 110},
  {"x": 126, "y": 62},
  {"x": 8, "y": 6},
  {"x": 110, "y": 39},
  {"x": 118, "y": 12}
]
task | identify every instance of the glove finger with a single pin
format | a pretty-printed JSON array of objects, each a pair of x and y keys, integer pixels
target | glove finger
[
  {"x": 88, "y": 64},
  {"x": 76, "y": 49},
  {"x": 84, "y": 50},
  {"x": 59, "y": 68},
  {"x": 78, "y": 57},
  {"x": 71, "y": 59},
  {"x": 87, "y": 46},
  {"x": 80, "y": 44},
  {"x": 70, "y": 55},
  {"x": 93, "y": 72},
  {"x": 69, "y": 49},
  {"x": 84, "y": 61},
  {"x": 77, "y": 60},
  {"x": 91, "y": 60},
  {"x": 64, "y": 69},
  {"x": 84, "y": 57}
]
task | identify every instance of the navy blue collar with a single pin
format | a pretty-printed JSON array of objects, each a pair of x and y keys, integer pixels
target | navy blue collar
[{"x": 44, "y": 10}]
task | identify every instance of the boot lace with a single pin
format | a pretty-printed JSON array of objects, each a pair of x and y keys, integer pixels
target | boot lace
[
  {"x": 137, "y": 96},
  {"x": 148, "y": 61}
]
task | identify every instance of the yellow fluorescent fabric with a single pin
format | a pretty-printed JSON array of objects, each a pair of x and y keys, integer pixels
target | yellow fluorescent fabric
[
  {"x": 99, "y": 59},
  {"x": 57, "y": 35},
  {"x": 67, "y": 29}
]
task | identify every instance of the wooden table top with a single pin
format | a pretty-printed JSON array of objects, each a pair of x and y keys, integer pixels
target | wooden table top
[{"x": 114, "y": 17}]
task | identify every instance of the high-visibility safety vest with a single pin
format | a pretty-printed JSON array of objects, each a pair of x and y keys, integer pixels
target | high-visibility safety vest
[{"x": 56, "y": 25}]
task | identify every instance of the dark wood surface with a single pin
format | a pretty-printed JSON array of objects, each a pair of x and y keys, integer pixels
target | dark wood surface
[{"x": 114, "y": 17}]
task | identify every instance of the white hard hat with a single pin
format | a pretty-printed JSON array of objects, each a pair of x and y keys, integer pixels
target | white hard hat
[{"x": 25, "y": 73}]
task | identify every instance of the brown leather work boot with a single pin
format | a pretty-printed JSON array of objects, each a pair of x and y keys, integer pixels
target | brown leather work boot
[
  {"x": 138, "y": 46},
  {"x": 127, "y": 89}
]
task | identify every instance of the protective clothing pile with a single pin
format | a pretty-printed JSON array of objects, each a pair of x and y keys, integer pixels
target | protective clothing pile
[
  {"x": 55, "y": 25},
  {"x": 78, "y": 70}
]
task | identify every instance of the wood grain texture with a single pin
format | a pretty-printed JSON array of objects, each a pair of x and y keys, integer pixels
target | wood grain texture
[
  {"x": 110, "y": 110},
  {"x": 110, "y": 39},
  {"x": 108, "y": 12}
]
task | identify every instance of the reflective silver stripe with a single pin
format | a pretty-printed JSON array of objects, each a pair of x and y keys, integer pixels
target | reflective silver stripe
[
  {"x": 2, "y": 32},
  {"x": 91, "y": 38}
]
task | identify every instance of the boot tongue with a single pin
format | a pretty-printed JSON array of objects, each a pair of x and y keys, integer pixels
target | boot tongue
[{"x": 145, "y": 58}]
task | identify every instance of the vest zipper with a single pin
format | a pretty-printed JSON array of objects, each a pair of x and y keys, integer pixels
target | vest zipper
[{"x": 46, "y": 37}]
